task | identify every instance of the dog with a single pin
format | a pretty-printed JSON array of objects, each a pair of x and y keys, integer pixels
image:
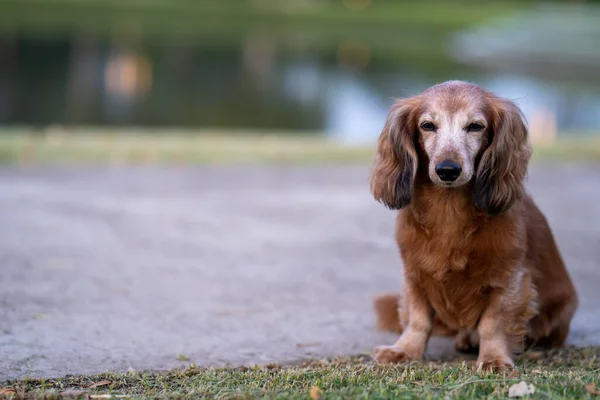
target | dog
[{"x": 480, "y": 261}]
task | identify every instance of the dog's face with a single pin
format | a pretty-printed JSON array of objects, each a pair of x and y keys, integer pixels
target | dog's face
[
  {"x": 467, "y": 134},
  {"x": 452, "y": 132}
]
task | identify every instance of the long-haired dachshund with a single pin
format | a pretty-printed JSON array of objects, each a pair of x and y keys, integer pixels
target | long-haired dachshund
[{"x": 480, "y": 261}]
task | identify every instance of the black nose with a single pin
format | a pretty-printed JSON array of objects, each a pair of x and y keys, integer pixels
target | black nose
[{"x": 448, "y": 170}]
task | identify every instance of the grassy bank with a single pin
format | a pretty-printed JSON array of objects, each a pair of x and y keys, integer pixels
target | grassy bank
[
  {"x": 207, "y": 147},
  {"x": 58, "y": 146},
  {"x": 570, "y": 374}
]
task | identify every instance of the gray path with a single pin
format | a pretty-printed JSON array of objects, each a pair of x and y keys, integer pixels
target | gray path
[{"x": 129, "y": 268}]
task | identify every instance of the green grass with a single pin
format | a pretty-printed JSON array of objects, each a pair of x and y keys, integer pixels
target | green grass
[
  {"x": 559, "y": 374},
  {"x": 176, "y": 147},
  {"x": 173, "y": 147}
]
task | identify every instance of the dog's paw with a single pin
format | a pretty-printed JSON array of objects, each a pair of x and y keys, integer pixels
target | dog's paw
[
  {"x": 391, "y": 355},
  {"x": 496, "y": 365}
]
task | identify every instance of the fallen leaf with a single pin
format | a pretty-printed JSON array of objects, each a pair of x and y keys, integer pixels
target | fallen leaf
[
  {"x": 316, "y": 393},
  {"x": 5, "y": 392},
  {"x": 591, "y": 389},
  {"x": 521, "y": 389},
  {"x": 101, "y": 383},
  {"x": 311, "y": 344},
  {"x": 514, "y": 374}
]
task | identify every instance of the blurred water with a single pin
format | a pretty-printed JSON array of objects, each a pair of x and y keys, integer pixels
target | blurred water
[{"x": 78, "y": 79}]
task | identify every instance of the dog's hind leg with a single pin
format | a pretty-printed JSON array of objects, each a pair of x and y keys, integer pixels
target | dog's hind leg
[{"x": 550, "y": 328}]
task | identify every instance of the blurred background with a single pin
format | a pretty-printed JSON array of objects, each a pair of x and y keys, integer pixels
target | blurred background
[
  {"x": 314, "y": 67},
  {"x": 153, "y": 266}
]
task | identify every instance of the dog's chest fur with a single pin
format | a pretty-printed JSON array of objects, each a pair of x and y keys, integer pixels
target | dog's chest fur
[{"x": 453, "y": 253}]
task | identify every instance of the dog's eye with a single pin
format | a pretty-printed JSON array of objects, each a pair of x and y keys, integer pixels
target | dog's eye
[
  {"x": 428, "y": 126},
  {"x": 475, "y": 127}
]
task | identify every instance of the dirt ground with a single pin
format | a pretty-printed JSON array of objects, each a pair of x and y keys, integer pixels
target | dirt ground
[{"x": 154, "y": 268}]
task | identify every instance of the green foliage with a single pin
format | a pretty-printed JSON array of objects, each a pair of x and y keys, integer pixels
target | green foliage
[{"x": 390, "y": 29}]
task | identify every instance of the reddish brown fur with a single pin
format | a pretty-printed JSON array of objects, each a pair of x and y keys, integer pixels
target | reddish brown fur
[{"x": 479, "y": 257}]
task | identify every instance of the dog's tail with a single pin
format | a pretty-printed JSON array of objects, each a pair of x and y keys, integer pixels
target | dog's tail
[{"x": 387, "y": 311}]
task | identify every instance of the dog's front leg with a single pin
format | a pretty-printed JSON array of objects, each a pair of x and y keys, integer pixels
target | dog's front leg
[
  {"x": 494, "y": 351},
  {"x": 413, "y": 341}
]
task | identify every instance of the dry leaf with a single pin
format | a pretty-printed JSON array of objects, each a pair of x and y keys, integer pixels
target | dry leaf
[
  {"x": 591, "y": 389},
  {"x": 316, "y": 393},
  {"x": 521, "y": 389},
  {"x": 5, "y": 392},
  {"x": 311, "y": 344},
  {"x": 101, "y": 383},
  {"x": 514, "y": 374},
  {"x": 537, "y": 371}
]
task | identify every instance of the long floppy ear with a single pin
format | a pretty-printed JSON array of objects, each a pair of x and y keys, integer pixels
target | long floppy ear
[
  {"x": 395, "y": 166},
  {"x": 503, "y": 165}
]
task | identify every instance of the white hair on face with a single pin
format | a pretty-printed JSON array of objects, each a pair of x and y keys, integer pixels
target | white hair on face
[{"x": 451, "y": 139}]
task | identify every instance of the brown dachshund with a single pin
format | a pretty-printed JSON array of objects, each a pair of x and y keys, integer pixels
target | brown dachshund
[{"x": 480, "y": 261}]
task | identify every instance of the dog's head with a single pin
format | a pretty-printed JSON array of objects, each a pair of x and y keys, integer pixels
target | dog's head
[{"x": 457, "y": 134}]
